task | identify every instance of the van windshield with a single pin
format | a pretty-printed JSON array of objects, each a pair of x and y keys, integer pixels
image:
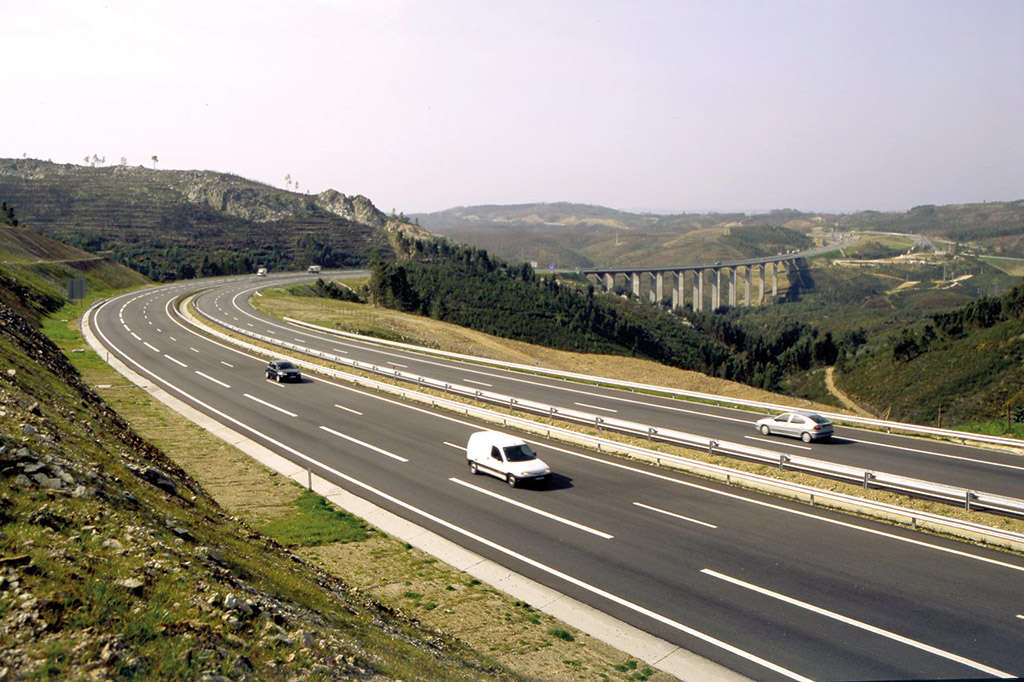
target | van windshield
[{"x": 519, "y": 453}]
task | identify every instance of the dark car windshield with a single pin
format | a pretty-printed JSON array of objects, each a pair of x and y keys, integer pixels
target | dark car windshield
[
  {"x": 285, "y": 365},
  {"x": 519, "y": 453}
]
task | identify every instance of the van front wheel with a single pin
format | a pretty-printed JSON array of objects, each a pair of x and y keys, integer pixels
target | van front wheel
[
  {"x": 473, "y": 469},
  {"x": 511, "y": 480}
]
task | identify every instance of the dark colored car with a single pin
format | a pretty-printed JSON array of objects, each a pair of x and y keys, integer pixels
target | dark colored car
[{"x": 283, "y": 370}]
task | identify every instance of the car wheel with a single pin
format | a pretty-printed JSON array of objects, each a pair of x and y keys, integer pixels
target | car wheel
[
  {"x": 473, "y": 468},
  {"x": 278, "y": 378},
  {"x": 805, "y": 437},
  {"x": 268, "y": 376},
  {"x": 765, "y": 430},
  {"x": 511, "y": 480}
]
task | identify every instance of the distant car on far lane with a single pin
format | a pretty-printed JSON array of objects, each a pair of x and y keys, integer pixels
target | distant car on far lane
[
  {"x": 283, "y": 370},
  {"x": 806, "y": 426}
]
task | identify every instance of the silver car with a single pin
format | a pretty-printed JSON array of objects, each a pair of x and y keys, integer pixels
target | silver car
[{"x": 803, "y": 425}]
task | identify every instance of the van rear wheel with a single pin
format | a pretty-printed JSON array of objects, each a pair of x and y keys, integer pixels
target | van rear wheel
[
  {"x": 511, "y": 480},
  {"x": 473, "y": 469}
]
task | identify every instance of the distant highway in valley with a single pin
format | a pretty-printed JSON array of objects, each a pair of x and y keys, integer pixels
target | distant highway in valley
[{"x": 769, "y": 588}]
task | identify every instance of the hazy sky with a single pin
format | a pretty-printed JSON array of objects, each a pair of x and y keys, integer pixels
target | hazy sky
[{"x": 423, "y": 105}]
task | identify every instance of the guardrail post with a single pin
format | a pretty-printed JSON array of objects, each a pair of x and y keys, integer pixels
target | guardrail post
[
  {"x": 309, "y": 478},
  {"x": 597, "y": 423},
  {"x": 712, "y": 444},
  {"x": 867, "y": 477},
  {"x": 967, "y": 499},
  {"x": 650, "y": 432},
  {"x": 782, "y": 462}
]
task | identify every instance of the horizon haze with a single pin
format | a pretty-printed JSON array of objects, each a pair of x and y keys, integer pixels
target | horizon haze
[{"x": 834, "y": 106}]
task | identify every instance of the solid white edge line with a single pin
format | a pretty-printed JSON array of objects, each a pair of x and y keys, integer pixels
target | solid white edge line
[
  {"x": 535, "y": 510},
  {"x": 382, "y": 451},
  {"x": 596, "y": 407},
  {"x": 270, "y": 405},
  {"x": 674, "y": 515},
  {"x": 175, "y": 360},
  {"x": 725, "y": 646},
  {"x": 208, "y": 377},
  {"x": 862, "y": 625},
  {"x": 348, "y": 409}
]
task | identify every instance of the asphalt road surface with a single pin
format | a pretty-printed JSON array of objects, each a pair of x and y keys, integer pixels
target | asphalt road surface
[{"x": 772, "y": 589}]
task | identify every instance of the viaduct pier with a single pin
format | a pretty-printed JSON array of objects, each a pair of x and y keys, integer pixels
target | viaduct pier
[{"x": 730, "y": 278}]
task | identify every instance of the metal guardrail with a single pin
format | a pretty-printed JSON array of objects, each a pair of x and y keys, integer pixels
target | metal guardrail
[
  {"x": 970, "y": 499},
  {"x": 652, "y": 388},
  {"x": 811, "y": 494}
]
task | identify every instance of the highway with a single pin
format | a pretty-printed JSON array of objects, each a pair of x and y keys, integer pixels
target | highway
[
  {"x": 771, "y": 589},
  {"x": 974, "y": 468}
]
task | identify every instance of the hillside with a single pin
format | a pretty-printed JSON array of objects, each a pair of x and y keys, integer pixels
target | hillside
[
  {"x": 177, "y": 224},
  {"x": 580, "y": 235},
  {"x": 964, "y": 364}
]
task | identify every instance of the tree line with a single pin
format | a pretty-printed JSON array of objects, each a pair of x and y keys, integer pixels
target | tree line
[{"x": 466, "y": 286}]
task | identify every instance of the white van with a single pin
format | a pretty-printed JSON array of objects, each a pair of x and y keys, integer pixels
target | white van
[
  {"x": 506, "y": 457},
  {"x": 261, "y": 272}
]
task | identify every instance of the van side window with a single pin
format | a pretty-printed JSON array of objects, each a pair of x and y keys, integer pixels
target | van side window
[{"x": 495, "y": 453}]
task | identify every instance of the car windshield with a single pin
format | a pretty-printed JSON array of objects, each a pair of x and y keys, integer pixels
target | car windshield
[
  {"x": 519, "y": 453},
  {"x": 285, "y": 365}
]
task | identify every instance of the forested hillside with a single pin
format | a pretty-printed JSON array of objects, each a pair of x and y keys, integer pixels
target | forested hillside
[
  {"x": 465, "y": 286},
  {"x": 180, "y": 224},
  {"x": 967, "y": 364}
]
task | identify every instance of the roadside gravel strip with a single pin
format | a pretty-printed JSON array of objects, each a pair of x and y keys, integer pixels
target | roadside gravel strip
[{"x": 654, "y": 651}]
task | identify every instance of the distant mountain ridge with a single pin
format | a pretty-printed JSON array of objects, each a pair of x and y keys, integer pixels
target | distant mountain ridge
[
  {"x": 174, "y": 224},
  {"x": 582, "y": 235}
]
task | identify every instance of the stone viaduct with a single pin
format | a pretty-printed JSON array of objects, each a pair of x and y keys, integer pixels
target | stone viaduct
[{"x": 697, "y": 275}]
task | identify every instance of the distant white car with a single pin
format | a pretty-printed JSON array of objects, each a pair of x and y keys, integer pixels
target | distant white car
[
  {"x": 803, "y": 425},
  {"x": 506, "y": 457}
]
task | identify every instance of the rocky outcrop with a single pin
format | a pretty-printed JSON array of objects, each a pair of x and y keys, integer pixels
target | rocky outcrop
[{"x": 355, "y": 208}]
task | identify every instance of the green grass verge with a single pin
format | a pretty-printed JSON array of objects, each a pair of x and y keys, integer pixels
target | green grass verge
[{"x": 315, "y": 522}]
